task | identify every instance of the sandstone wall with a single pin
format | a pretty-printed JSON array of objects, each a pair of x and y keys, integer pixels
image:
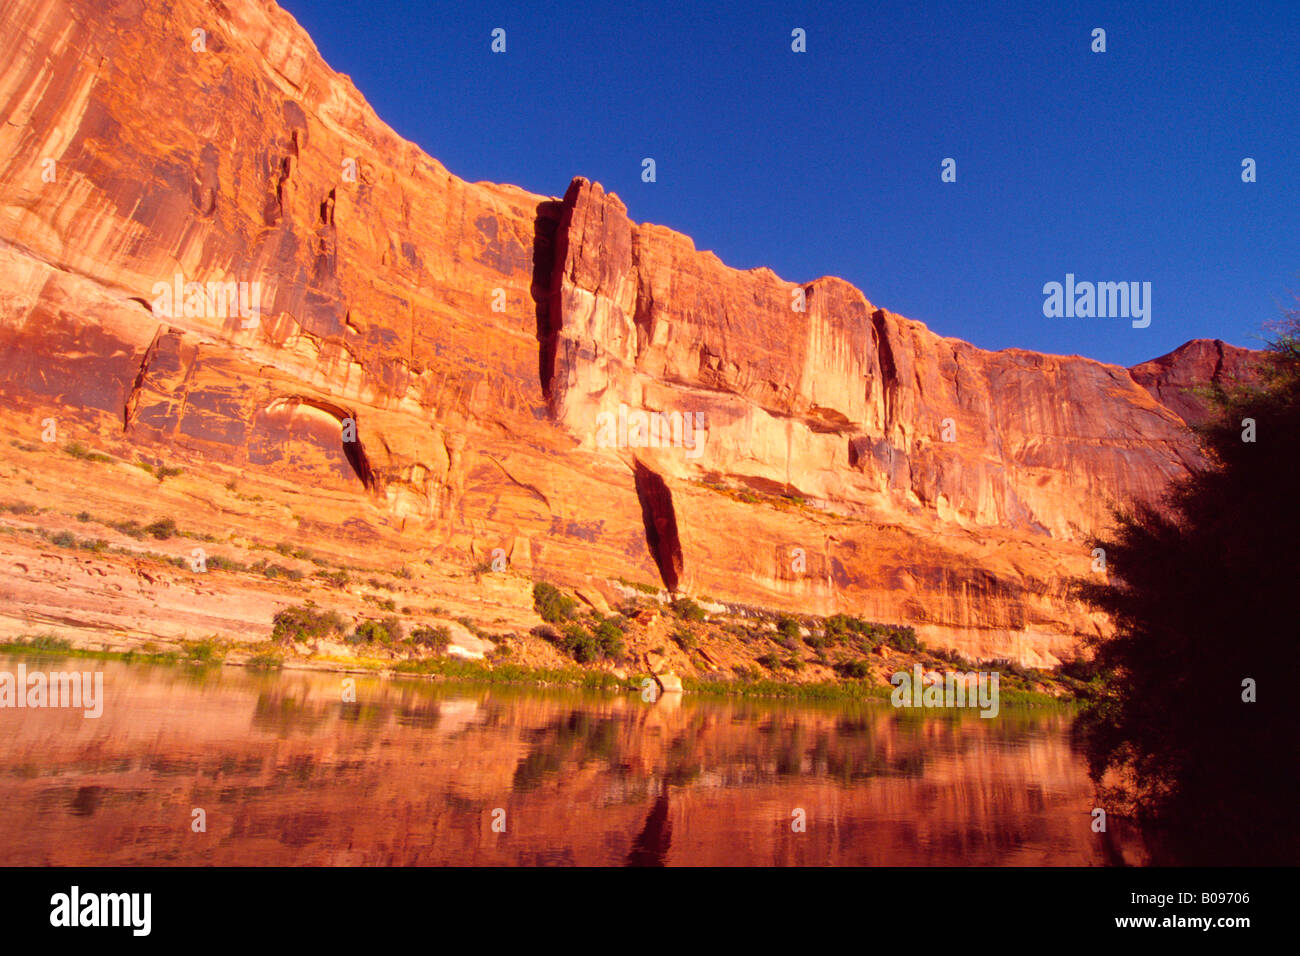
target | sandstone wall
[{"x": 479, "y": 336}]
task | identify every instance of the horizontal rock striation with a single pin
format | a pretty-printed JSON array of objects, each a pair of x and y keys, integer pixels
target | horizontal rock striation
[{"x": 542, "y": 374}]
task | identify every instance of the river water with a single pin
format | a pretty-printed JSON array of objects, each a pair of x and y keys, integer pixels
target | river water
[{"x": 278, "y": 769}]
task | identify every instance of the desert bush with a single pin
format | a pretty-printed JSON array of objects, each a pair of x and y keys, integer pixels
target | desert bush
[
  {"x": 903, "y": 639},
  {"x": 546, "y": 633},
  {"x": 77, "y": 450},
  {"x": 855, "y": 670},
  {"x": 305, "y": 623},
  {"x": 216, "y": 562},
  {"x": 609, "y": 636},
  {"x": 584, "y": 646},
  {"x": 435, "y": 638},
  {"x": 162, "y": 529},
  {"x": 688, "y": 610},
  {"x": 45, "y": 642},
  {"x": 370, "y": 631},
  {"x": 639, "y": 586},
  {"x": 338, "y": 579},
  {"x": 274, "y": 571},
  {"x": 551, "y": 604}
]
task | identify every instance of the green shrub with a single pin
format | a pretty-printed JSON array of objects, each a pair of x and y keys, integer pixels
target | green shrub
[
  {"x": 546, "y": 633},
  {"x": 685, "y": 639},
  {"x": 553, "y": 606},
  {"x": 434, "y": 638},
  {"x": 370, "y": 631},
  {"x": 290, "y": 551},
  {"x": 205, "y": 652},
  {"x": 609, "y": 636},
  {"x": 162, "y": 529},
  {"x": 638, "y": 586},
  {"x": 45, "y": 642},
  {"x": 838, "y": 627},
  {"x": 77, "y": 450},
  {"x": 64, "y": 539},
  {"x": 305, "y": 623},
  {"x": 584, "y": 646},
  {"x": 1084, "y": 669},
  {"x": 688, "y": 610},
  {"x": 856, "y": 670},
  {"x": 274, "y": 571},
  {"x": 956, "y": 659},
  {"x": 216, "y": 562},
  {"x": 903, "y": 639},
  {"x": 266, "y": 661}
]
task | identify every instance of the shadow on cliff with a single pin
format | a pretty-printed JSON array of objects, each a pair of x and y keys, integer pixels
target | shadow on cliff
[
  {"x": 545, "y": 226},
  {"x": 660, "y": 519}
]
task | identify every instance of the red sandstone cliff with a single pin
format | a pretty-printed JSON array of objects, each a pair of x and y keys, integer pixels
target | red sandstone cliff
[{"x": 485, "y": 340}]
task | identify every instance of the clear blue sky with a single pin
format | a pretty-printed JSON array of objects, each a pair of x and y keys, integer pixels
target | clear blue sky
[{"x": 1122, "y": 166}]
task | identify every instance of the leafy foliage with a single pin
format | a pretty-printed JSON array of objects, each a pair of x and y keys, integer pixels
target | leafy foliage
[
  {"x": 584, "y": 646},
  {"x": 553, "y": 606},
  {"x": 305, "y": 623},
  {"x": 370, "y": 631},
  {"x": 435, "y": 638},
  {"x": 855, "y": 670},
  {"x": 1200, "y": 594},
  {"x": 688, "y": 610},
  {"x": 788, "y": 628}
]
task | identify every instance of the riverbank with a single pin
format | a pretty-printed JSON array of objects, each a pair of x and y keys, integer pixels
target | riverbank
[{"x": 455, "y": 670}]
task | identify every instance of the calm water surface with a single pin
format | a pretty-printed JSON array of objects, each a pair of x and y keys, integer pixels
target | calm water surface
[{"x": 414, "y": 772}]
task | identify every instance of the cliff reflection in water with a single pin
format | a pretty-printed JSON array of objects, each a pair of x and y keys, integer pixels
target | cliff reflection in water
[{"x": 288, "y": 774}]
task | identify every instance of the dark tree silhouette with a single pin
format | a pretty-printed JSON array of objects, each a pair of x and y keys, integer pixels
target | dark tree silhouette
[{"x": 1202, "y": 592}]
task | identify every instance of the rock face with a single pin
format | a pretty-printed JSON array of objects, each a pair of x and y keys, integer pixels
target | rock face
[
  {"x": 1180, "y": 379},
  {"x": 224, "y": 255}
]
